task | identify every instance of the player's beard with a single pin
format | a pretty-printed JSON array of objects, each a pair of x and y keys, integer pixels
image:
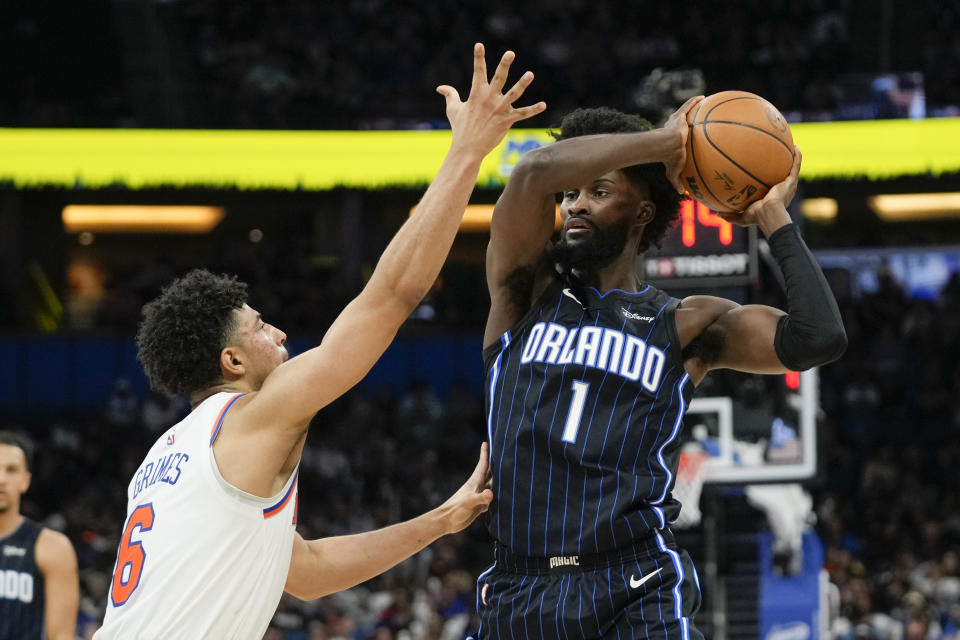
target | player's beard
[{"x": 600, "y": 249}]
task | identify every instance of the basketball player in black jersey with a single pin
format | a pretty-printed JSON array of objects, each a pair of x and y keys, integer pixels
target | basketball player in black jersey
[
  {"x": 589, "y": 372},
  {"x": 39, "y": 593}
]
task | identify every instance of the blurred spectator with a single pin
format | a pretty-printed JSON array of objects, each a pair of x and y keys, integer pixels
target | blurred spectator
[
  {"x": 160, "y": 412},
  {"x": 370, "y": 64},
  {"x": 123, "y": 406},
  {"x": 343, "y": 488},
  {"x": 887, "y": 507},
  {"x": 893, "y": 537}
]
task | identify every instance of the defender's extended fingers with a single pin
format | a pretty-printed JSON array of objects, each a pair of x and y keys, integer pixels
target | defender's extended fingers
[
  {"x": 500, "y": 75},
  {"x": 523, "y": 113},
  {"x": 519, "y": 87},
  {"x": 449, "y": 93},
  {"x": 482, "y": 470},
  {"x": 479, "y": 65}
]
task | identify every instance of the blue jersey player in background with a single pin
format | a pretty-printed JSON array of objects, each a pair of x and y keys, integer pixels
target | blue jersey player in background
[
  {"x": 39, "y": 589},
  {"x": 589, "y": 372}
]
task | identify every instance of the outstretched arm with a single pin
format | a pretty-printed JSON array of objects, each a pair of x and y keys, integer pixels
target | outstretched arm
[
  {"x": 325, "y": 566},
  {"x": 57, "y": 561},
  {"x": 523, "y": 219},
  {"x": 761, "y": 339},
  {"x": 264, "y": 428}
]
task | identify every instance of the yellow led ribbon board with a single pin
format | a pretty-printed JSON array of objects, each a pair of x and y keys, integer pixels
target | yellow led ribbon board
[{"x": 321, "y": 160}]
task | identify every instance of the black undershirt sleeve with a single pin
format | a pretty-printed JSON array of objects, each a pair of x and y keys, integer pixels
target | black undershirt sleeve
[{"x": 812, "y": 332}]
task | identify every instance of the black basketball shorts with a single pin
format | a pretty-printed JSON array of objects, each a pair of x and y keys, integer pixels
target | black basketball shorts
[{"x": 649, "y": 591}]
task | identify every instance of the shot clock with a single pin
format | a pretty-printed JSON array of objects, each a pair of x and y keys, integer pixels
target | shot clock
[{"x": 703, "y": 250}]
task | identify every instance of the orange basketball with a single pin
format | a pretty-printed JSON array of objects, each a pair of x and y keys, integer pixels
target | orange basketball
[{"x": 739, "y": 146}]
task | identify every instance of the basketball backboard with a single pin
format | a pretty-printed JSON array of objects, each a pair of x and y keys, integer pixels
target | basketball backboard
[{"x": 773, "y": 441}]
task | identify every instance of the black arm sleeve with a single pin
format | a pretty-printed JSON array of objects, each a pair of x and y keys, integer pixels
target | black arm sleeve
[{"x": 812, "y": 333}]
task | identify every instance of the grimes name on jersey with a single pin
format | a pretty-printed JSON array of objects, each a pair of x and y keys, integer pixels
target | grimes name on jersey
[
  {"x": 618, "y": 353},
  {"x": 166, "y": 469}
]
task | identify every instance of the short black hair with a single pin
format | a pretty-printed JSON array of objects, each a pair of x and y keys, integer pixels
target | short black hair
[
  {"x": 597, "y": 120},
  {"x": 184, "y": 329},
  {"x": 14, "y": 439}
]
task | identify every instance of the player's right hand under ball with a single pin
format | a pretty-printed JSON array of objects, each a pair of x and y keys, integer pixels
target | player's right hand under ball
[{"x": 770, "y": 213}]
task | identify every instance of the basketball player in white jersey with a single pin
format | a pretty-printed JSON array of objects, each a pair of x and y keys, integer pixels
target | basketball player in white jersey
[{"x": 209, "y": 544}]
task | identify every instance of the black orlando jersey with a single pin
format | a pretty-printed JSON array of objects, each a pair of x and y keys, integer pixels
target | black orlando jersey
[
  {"x": 585, "y": 401},
  {"x": 21, "y": 584}
]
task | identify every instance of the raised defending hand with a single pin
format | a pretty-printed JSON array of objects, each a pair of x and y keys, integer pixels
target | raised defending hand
[
  {"x": 483, "y": 120},
  {"x": 679, "y": 123},
  {"x": 470, "y": 500}
]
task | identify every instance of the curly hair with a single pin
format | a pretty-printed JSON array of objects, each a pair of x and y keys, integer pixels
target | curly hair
[
  {"x": 184, "y": 329},
  {"x": 586, "y": 122}
]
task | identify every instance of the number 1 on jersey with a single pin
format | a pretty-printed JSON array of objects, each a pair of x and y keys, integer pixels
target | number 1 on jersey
[{"x": 575, "y": 412}]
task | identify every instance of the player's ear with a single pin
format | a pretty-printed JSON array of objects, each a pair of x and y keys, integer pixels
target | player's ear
[
  {"x": 232, "y": 363},
  {"x": 646, "y": 211}
]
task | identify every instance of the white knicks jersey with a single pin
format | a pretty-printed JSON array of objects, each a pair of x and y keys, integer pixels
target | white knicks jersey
[{"x": 198, "y": 558}]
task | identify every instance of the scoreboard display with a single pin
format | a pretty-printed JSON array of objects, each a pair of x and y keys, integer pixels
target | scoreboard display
[{"x": 703, "y": 250}]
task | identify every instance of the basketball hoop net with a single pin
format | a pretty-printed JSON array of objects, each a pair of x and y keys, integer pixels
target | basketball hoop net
[{"x": 689, "y": 486}]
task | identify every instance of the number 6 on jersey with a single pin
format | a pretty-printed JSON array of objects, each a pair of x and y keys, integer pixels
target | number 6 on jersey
[
  {"x": 575, "y": 412},
  {"x": 131, "y": 555}
]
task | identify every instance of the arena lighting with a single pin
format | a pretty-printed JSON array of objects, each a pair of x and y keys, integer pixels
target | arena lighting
[
  {"x": 904, "y": 207},
  {"x": 819, "y": 209},
  {"x": 877, "y": 148},
  {"x": 478, "y": 216},
  {"x": 323, "y": 160},
  {"x": 283, "y": 160},
  {"x": 140, "y": 218}
]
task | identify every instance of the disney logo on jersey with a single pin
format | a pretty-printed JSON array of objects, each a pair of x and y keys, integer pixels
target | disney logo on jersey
[
  {"x": 165, "y": 469},
  {"x": 636, "y": 316},
  {"x": 618, "y": 353}
]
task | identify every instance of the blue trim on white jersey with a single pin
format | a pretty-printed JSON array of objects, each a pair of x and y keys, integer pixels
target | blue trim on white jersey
[
  {"x": 223, "y": 414},
  {"x": 278, "y": 506}
]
